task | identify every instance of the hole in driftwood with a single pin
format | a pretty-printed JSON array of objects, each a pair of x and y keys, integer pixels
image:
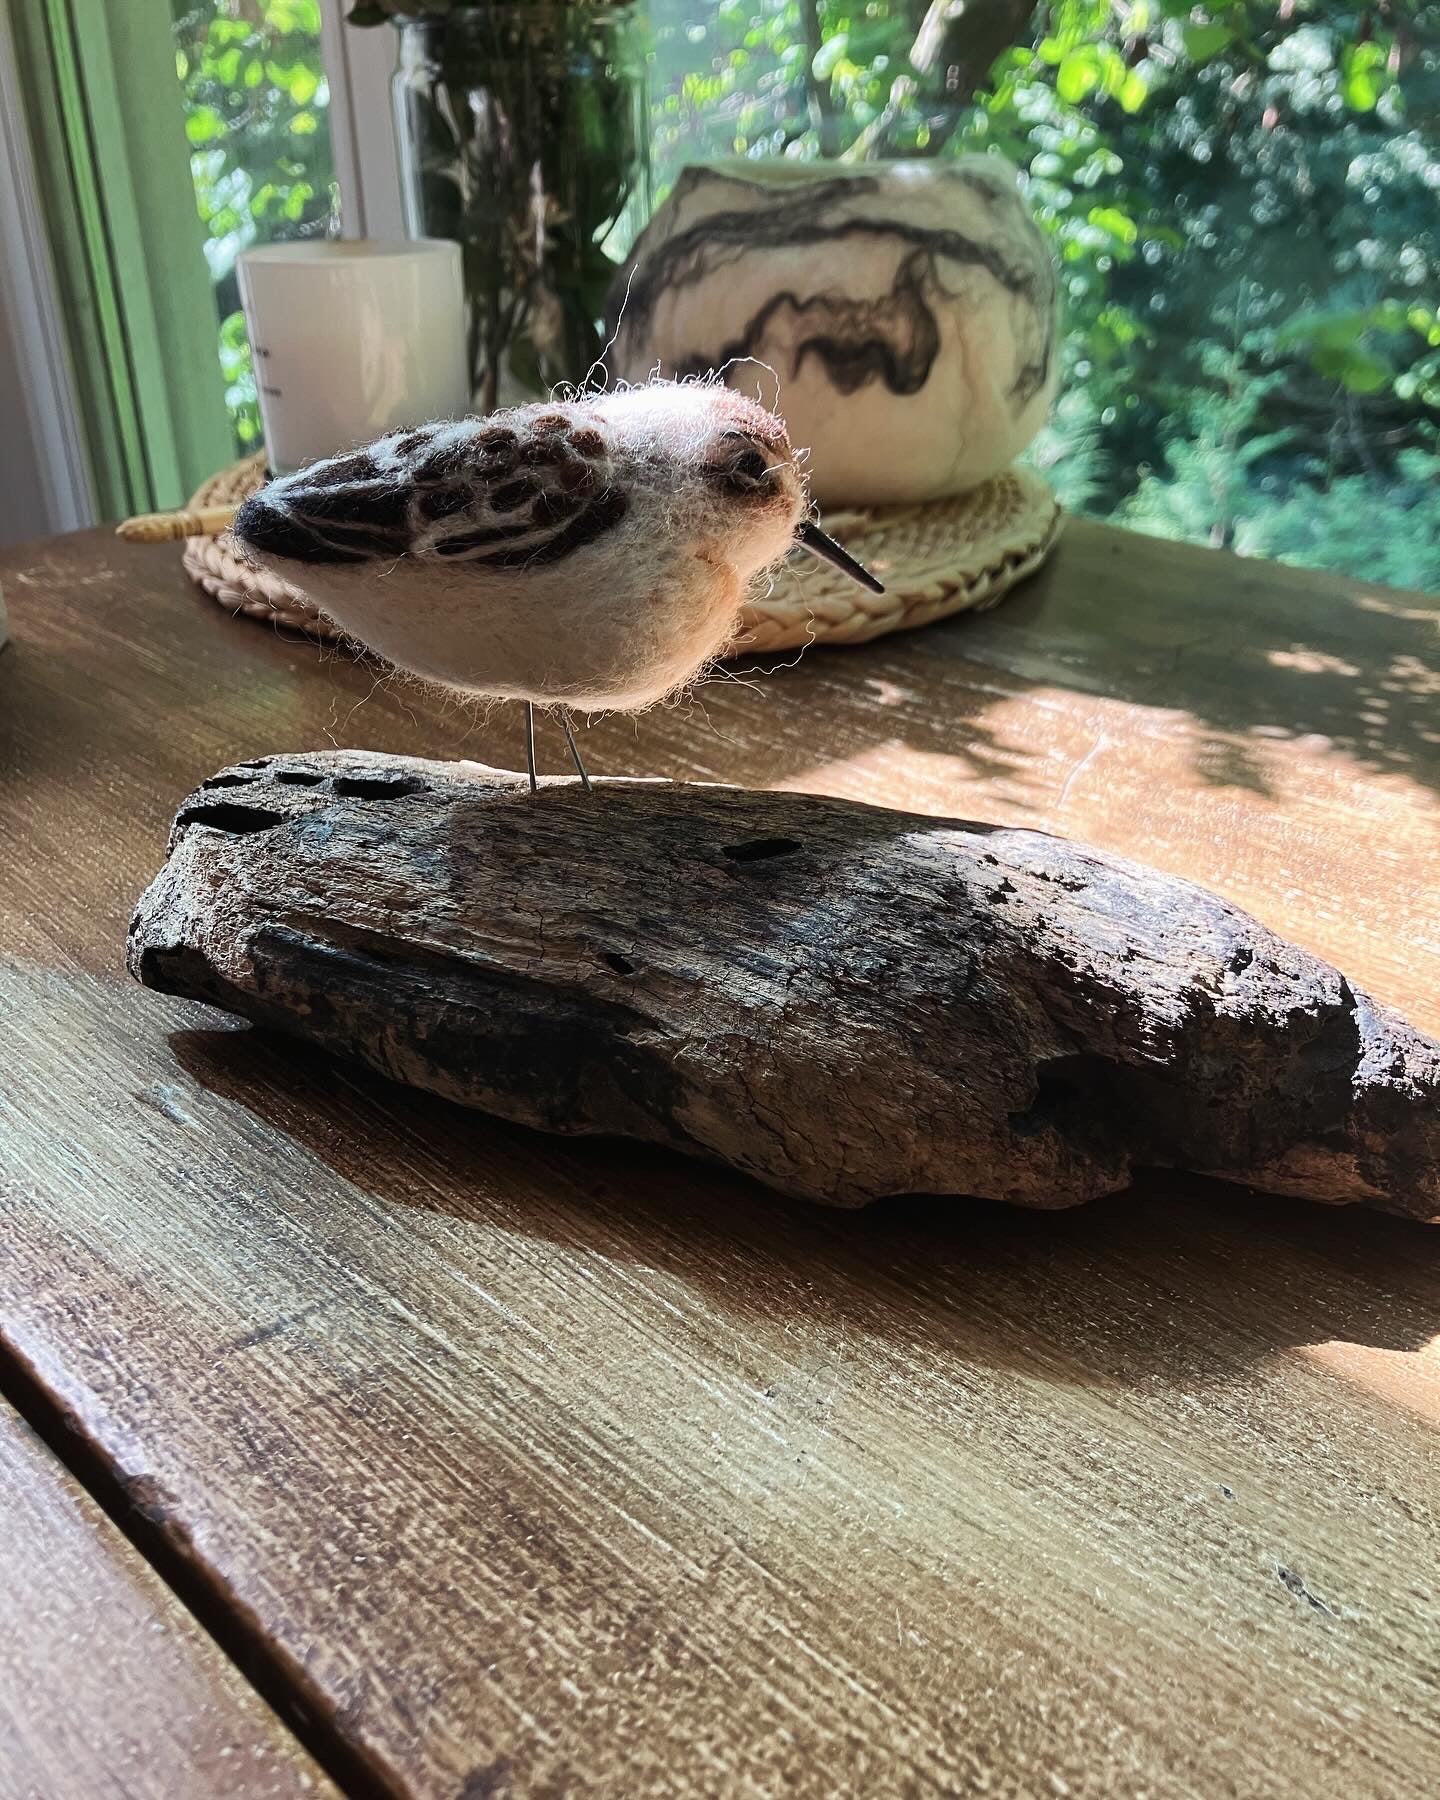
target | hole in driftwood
[
  {"x": 757, "y": 849},
  {"x": 298, "y": 778},
  {"x": 230, "y": 815},
  {"x": 222, "y": 781},
  {"x": 613, "y": 960},
  {"x": 1057, "y": 1097},
  {"x": 256, "y": 762},
  {"x": 377, "y": 787}
]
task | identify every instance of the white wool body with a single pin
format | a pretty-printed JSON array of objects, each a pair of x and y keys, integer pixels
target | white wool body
[{"x": 615, "y": 622}]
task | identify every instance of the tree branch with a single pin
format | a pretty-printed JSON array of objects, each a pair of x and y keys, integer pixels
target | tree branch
[
  {"x": 823, "y": 119},
  {"x": 957, "y": 42}
]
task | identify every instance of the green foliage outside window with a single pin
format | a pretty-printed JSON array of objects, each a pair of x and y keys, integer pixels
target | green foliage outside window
[
  {"x": 1245, "y": 201},
  {"x": 255, "y": 104}
]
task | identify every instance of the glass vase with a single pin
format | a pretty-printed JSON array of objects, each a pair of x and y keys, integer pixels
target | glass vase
[{"x": 523, "y": 136}]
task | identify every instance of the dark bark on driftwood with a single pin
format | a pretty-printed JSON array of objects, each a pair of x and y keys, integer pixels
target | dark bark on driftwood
[{"x": 844, "y": 1002}]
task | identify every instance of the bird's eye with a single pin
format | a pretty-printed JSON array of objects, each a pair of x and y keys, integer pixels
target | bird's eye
[{"x": 750, "y": 465}]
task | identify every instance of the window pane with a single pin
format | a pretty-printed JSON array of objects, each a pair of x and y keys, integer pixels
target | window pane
[
  {"x": 1245, "y": 201},
  {"x": 256, "y": 105}
]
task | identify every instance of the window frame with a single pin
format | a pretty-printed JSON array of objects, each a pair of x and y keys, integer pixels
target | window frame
[
  {"x": 37, "y": 383},
  {"x": 359, "y": 64},
  {"x": 131, "y": 283}
]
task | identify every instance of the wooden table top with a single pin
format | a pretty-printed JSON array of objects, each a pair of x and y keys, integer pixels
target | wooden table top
[
  {"x": 514, "y": 1466},
  {"x": 107, "y": 1684}
]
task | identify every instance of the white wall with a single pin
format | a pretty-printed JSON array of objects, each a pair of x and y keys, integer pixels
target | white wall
[
  {"x": 44, "y": 480},
  {"x": 24, "y": 502}
]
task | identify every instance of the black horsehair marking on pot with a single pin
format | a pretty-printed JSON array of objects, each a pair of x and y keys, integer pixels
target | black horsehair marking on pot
[{"x": 895, "y": 338}]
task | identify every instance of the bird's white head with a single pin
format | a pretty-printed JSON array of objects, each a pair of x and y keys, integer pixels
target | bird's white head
[{"x": 595, "y": 552}]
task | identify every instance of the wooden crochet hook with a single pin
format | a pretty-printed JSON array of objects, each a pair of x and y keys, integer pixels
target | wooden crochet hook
[{"x": 168, "y": 527}]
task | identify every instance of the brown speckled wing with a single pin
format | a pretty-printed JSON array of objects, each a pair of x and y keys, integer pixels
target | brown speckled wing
[
  {"x": 537, "y": 495},
  {"x": 506, "y": 496}
]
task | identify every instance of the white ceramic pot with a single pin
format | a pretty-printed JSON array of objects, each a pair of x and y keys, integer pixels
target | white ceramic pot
[{"x": 908, "y": 311}]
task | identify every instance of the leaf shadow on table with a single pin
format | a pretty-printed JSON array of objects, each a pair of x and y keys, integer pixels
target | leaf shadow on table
[
  {"x": 1179, "y": 1282},
  {"x": 1244, "y": 655},
  {"x": 1247, "y": 653},
  {"x": 780, "y": 723},
  {"x": 1241, "y": 645}
]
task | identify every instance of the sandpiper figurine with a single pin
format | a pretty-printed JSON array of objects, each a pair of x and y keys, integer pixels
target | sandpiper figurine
[{"x": 593, "y": 554}]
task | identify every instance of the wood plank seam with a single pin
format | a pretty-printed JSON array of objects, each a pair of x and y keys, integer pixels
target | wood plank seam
[{"x": 143, "y": 1527}]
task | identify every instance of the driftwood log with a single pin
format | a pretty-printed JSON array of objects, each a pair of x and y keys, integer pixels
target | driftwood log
[{"x": 842, "y": 1001}]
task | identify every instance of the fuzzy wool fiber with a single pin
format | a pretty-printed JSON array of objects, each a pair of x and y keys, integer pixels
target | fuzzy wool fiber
[{"x": 594, "y": 553}]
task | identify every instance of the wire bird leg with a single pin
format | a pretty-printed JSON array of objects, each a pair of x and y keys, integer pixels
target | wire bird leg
[
  {"x": 569, "y": 739},
  {"x": 530, "y": 745},
  {"x": 574, "y": 749}
]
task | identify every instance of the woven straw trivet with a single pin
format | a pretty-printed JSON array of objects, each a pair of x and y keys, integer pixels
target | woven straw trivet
[{"x": 935, "y": 558}]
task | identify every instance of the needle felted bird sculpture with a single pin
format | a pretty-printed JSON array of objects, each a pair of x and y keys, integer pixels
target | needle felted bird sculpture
[{"x": 592, "y": 554}]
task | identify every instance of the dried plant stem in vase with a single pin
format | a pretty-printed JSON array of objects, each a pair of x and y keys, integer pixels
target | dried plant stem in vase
[{"x": 522, "y": 134}]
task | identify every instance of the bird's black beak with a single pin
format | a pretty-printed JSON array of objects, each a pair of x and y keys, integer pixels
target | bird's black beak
[{"x": 819, "y": 544}]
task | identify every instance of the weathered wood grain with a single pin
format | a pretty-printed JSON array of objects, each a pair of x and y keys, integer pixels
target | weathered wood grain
[
  {"x": 108, "y": 1688},
  {"x": 844, "y": 1002},
  {"x": 544, "y": 1467}
]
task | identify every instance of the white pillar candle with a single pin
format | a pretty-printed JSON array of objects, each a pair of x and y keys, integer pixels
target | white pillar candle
[{"x": 353, "y": 338}]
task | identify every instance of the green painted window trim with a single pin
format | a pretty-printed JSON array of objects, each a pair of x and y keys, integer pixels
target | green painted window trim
[{"x": 104, "y": 110}]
